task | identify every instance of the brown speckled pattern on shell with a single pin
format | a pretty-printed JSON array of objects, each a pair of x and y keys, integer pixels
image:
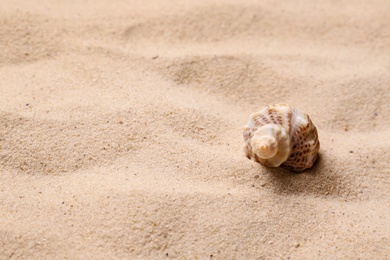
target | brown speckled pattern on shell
[
  {"x": 305, "y": 146},
  {"x": 302, "y": 132}
]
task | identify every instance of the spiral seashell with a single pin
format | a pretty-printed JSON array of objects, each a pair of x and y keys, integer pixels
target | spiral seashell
[{"x": 281, "y": 135}]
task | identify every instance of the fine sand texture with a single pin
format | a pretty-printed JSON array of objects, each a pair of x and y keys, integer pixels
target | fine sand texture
[{"x": 121, "y": 129}]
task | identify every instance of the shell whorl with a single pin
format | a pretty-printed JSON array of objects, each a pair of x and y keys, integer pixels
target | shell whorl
[
  {"x": 264, "y": 146},
  {"x": 270, "y": 145},
  {"x": 281, "y": 134}
]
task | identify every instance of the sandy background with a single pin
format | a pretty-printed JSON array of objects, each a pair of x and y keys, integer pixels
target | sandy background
[{"x": 121, "y": 129}]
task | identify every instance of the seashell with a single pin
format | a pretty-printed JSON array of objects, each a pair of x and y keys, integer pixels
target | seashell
[{"x": 281, "y": 135}]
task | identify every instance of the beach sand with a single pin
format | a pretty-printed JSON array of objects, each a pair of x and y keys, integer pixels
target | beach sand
[{"x": 121, "y": 129}]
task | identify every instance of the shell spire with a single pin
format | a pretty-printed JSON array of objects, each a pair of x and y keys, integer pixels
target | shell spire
[{"x": 281, "y": 135}]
